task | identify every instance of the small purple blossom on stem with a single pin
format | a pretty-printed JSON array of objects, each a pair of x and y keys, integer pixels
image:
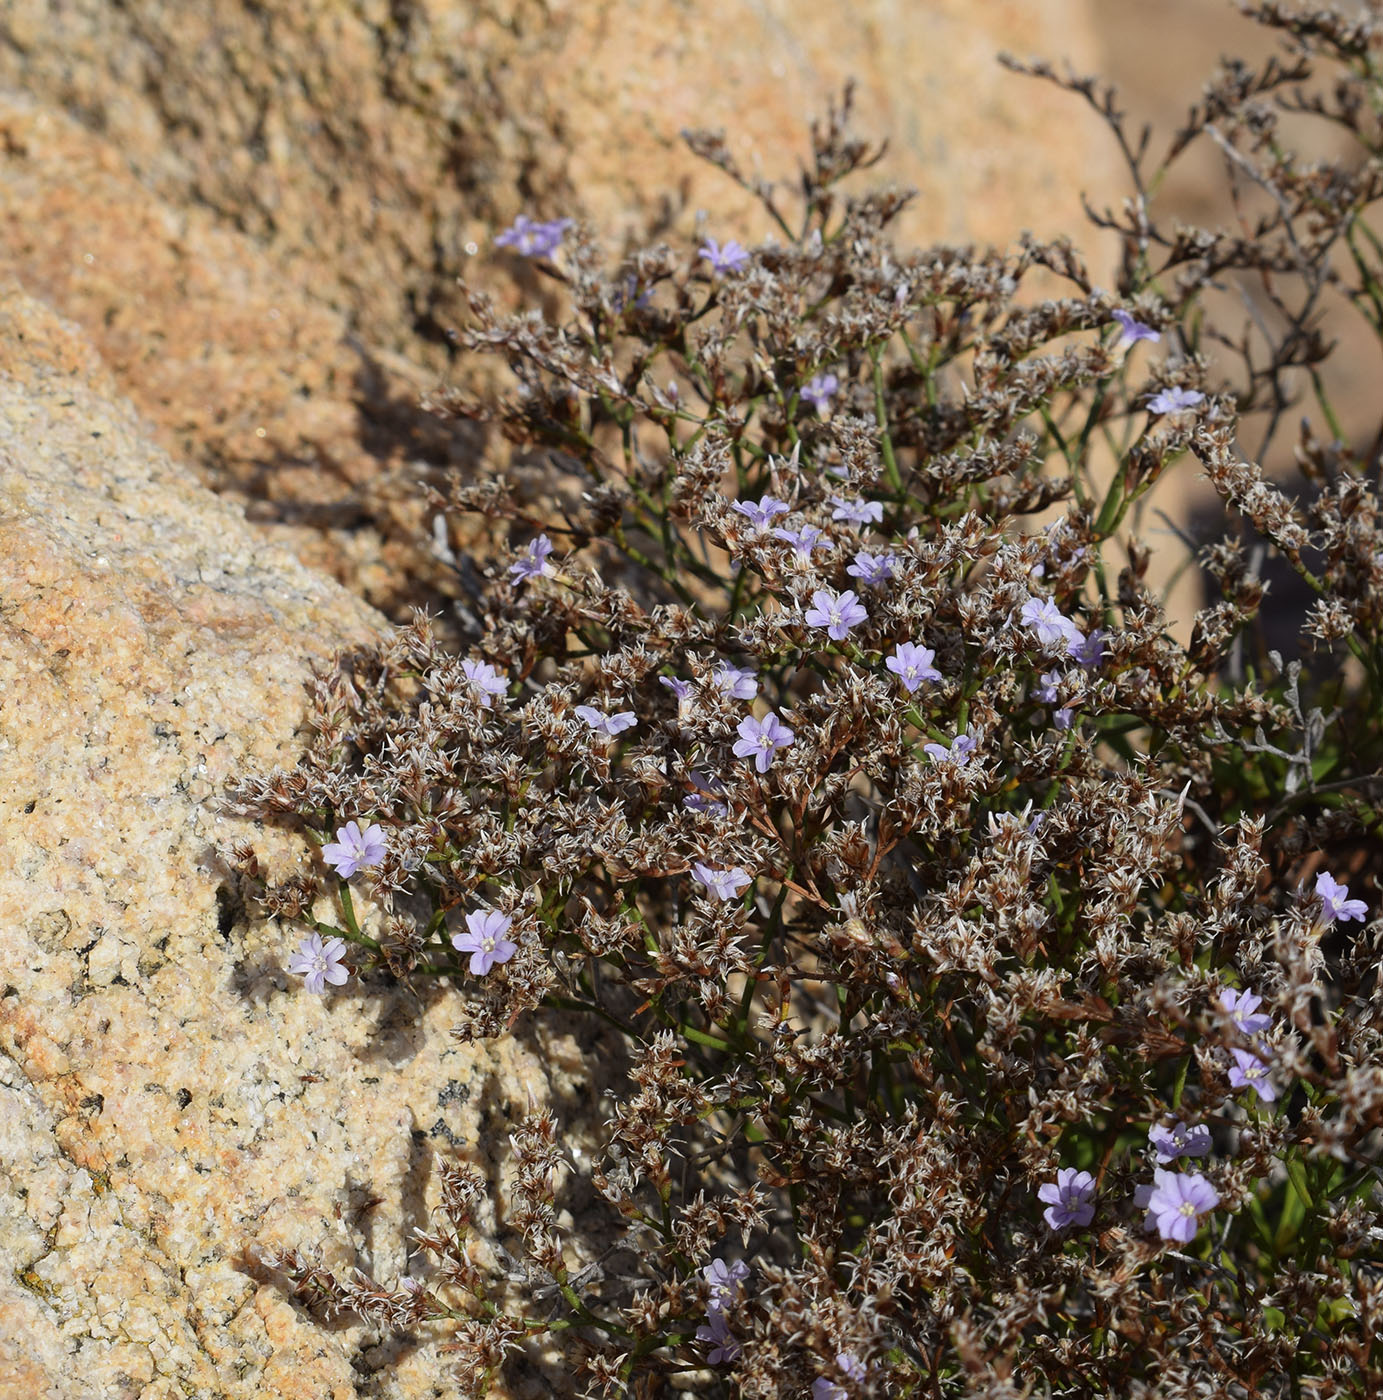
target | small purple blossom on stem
[
  {"x": 740, "y": 683},
  {"x": 717, "y": 1331},
  {"x": 484, "y": 939},
  {"x": 836, "y": 612},
  {"x": 725, "y": 1282},
  {"x": 681, "y": 689},
  {"x": 1335, "y": 900},
  {"x": 1179, "y": 1141},
  {"x": 1176, "y": 1202},
  {"x": 857, "y": 512},
  {"x": 819, "y": 391},
  {"x": 962, "y": 746},
  {"x": 318, "y": 962},
  {"x": 852, "y": 1366},
  {"x": 1070, "y": 1199},
  {"x": 724, "y": 884},
  {"x": 532, "y": 563},
  {"x": 1243, "y": 1011},
  {"x": 1249, "y": 1072},
  {"x": 730, "y": 258},
  {"x": 912, "y": 665},
  {"x": 823, "y": 1388},
  {"x": 761, "y": 512},
  {"x": 872, "y": 569},
  {"x": 708, "y": 795},
  {"x": 485, "y": 680},
  {"x": 1050, "y": 625},
  {"x": 354, "y": 849},
  {"x": 532, "y": 238},
  {"x": 760, "y": 739},
  {"x": 803, "y": 541},
  {"x": 1175, "y": 399},
  {"x": 1088, "y": 651},
  {"x": 609, "y": 725},
  {"x": 1131, "y": 331}
]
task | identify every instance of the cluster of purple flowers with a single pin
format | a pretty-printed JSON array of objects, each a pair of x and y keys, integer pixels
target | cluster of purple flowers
[
  {"x": 726, "y": 1285},
  {"x": 533, "y": 238}
]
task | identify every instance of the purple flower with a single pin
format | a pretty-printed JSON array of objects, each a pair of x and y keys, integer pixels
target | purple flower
[
  {"x": 1243, "y": 1011},
  {"x": 485, "y": 940},
  {"x": 1088, "y": 651},
  {"x": 761, "y": 512},
  {"x": 961, "y": 748},
  {"x": 318, "y": 962},
  {"x": 1131, "y": 331},
  {"x": 609, "y": 725},
  {"x": 718, "y": 1331},
  {"x": 1174, "y": 399},
  {"x": 818, "y": 392},
  {"x": 825, "y": 1389},
  {"x": 1335, "y": 900},
  {"x": 1176, "y": 1202},
  {"x": 532, "y": 563},
  {"x": 1249, "y": 1072},
  {"x": 760, "y": 739},
  {"x": 803, "y": 541},
  {"x": 730, "y": 258},
  {"x": 354, "y": 849},
  {"x": 1046, "y": 689},
  {"x": 857, "y": 512},
  {"x": 852, "y": 1366},
  {"x": 741, "y": 684},
  {"x": 1064, "y": 718},
  {"x": 1070, "y": 1199},
  {"x": 485, "y": 679},
  {"x": 724, "y": 1282},
  {"x": 681, "y": 689},
  {"x": 872, "y": 568},
  {"x": 1051, "y": 625},
  {"x": 707, "y": 796},
  {"x": 724, "y": 884},
  {"x": 912, "y": 665},
  {"x": 836, "y": 612},
  {"x": 1179, "y": 1141},
  {"x": 532, "y": 238}
]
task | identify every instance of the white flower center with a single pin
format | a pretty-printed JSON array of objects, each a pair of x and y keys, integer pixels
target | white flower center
[
  {"x": 487, "y": 944},
  {"x": 1186, "y": 1209}
]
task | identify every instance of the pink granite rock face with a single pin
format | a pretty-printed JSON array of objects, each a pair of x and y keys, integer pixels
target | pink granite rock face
[{"x": 170, "y": 1098}]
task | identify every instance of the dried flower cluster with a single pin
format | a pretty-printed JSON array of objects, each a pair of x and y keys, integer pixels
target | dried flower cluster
[{"x": 826, "y": 741}]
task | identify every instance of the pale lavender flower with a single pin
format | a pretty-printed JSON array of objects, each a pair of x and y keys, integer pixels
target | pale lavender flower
[
  {"x": 872, "y": 569},
  {"x": 1249, "y": 1072},
  {"x": 532, "y": 238},
  {"x": 318, "y": 962},
  {"x": 707, "y": 796},
  {"x": 825, "y": 1389},
  {"x": 730, "y": 258},
  {"x": 819, "y": 391},
  {"x": 1176, "y": 1202},
  {"x": 484, "y": 939},
  {"x": 761, "y": 512},
  {"x": 1179, "y": 1140},
  {"x": 484, "y": 679},
  {"x": 354, "y": 849},
  {"x": 1049, "y": 623},
  {"x": 741, "y": 684},
  {"x": 1064, "y": 718},
  {"x": 836, "y": 612},
  {"x": 1335, "y": 900},
  {"x": 724, "y": 1281},
  {"x": 912, "y": 665},
  {"x": 852, "y": 1366},
  {"x": 1088, "y": 651},
  {"x": 961, "y": 748},
  {"x": 717, "y": 1330},
  {"x": 681, "y": 689},
  {"x": 760, "y": 739},
  {"x": 1243, "y": 1011},
  {"x": 803, "y": 541},
  {"x": 1070, "y": 1199},
  {"x": 724, "y": 884},
  {"x": 1046, "y": 689},
  {"x": 609, "y": 725},
  {"x": 857, "y": 512},
  {"x": 532, "y": 563},
  {"x": 1131, "y": 331},
  {"x": 1174, "y": 400}
]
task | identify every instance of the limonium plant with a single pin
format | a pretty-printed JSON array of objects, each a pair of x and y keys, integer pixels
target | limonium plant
[{"x": 987, "y": 963}]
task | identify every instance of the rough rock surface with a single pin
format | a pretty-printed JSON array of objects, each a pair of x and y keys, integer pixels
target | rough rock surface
[{"x": 170, "y": 1098}]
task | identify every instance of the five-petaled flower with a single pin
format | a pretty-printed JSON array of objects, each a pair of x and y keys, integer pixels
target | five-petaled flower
[
  {"x": 1250, "y": 1072},
  {"x": 1335, "y": 900},
  {"x": 1174, "y": 399},
  {"x": 912, "y": 665},
  {"x": 717, "y": 1331},
  {"x": 1131, "y": 331},
  {"x": 819, "y": 391},
  {"x": 736, "y": 681},
  {"x": 836, "y": 612},
  {"x": 1088, "y": 651},
  {"x": 318, "y": 962},
  {"x": 485, "y": 680},
  {"x": 533, "y": 238},
  {"x": 759, "y": 513},
  {"x": 484, "y": 939},
  {"x": 962, "y": 746},
  {"x": 532, "y": 563},
  {"x": 760, "y": 739},
  {"x": 1051, "y": 626},
  {"x": 730, "y": 258},
  {"x": 872, "y": 569},
  {"x": 1180, "y": 1140},
  {"x": 609, "y": 725},
  {"x": 724, "y": 884},
  {"x": 354, "y": 849},
  {"x": 1243, "y": 1011},
  {"x": 724, "y": 1282},
  {"x": 1175, "y": 1203},
  {"x": 1070, "y": 1199},
  {"x": 857, "y": 512},
  {"x": 803, "y": 541}
]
